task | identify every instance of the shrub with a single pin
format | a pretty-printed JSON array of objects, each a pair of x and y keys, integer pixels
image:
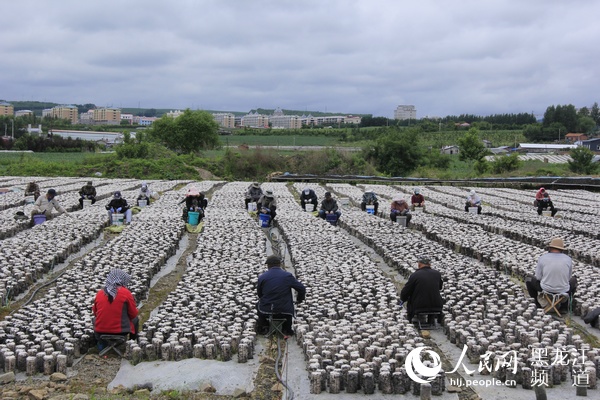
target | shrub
[{"x": 507, "y": 163}]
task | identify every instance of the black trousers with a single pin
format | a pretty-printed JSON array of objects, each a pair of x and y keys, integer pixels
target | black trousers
[
  {"x": 542, "y": 205},
  {"x": 534, "y": 287},
  {"x": 394, "y": 216},
  {"x": 93, "y": 199},
  {"x": 468, "y": 205}
]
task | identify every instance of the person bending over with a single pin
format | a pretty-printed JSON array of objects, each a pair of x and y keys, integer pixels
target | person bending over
[{"x": 45, "y": 205}]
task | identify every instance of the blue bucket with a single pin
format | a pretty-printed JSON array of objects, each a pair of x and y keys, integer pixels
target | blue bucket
[
  {"x": 39, "y": 219},
  {"x": 263, "y": 220},
  {"x": 331, "y": 218},
  {"x": 193, "y": 217},
  {"x": 370, "y": 209}
]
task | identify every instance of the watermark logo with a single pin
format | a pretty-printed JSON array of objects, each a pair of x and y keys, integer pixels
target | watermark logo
[
  {"x": 491, "y": 363},
  {"x": 414, "y": 364}
]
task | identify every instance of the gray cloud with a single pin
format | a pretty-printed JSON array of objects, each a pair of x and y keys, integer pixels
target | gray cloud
[{"x": 448, "y": 57}]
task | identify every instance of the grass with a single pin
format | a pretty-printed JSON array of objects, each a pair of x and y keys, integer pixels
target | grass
[
  {"x": 464, "y": 170},
  {"x": 6, "y": 158},
  {"x": 284, "y": 140}
]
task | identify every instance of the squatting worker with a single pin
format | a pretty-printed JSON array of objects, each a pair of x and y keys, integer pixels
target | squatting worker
[
  {"x": 399, "y": 206},
  {"x": 553, "y": 273},
  {"x": 329, "y": 206},
  {"x": 32, "y": 189},
  {"x": 473, "y": 200},
  {"x": 45, "y": 205},
  {"x": 369, "y": 199},
  {"x": 274, "y": 289},
  {"x": 422, "y": 291},
  {"x": 417, "y": 200},
  {"x": 115, "y": 311},
  {"x": 308, "y": 196},
  {"x": 268, "y": 205},
  {"x": 87, "y": 192},
  {"x": 253, "y": 194}
]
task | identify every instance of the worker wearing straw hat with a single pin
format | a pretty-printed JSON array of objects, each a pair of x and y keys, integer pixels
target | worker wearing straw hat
[{"x": 553, "y": 273}]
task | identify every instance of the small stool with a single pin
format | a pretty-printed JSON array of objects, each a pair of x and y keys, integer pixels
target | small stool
[
  {"x": 112, "y": 341},
  {"x": 428, "y": 320},
  {"x": 554, "y": 300},
  {"x": 276, "y": 327}
]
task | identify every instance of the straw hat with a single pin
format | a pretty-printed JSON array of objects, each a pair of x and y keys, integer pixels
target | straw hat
[{"x": 557, "y": 243}]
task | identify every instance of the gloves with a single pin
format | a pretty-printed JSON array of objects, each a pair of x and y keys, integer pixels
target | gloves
[
  {"x": 119, "y": 209},
  {"x": 400, "y": 303}
]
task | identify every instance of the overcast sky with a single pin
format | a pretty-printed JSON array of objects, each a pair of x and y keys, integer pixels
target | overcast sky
[{"x": 445, "y": 57}]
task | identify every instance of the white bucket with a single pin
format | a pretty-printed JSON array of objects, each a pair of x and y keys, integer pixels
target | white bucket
[
  {"x": 418, "y": 210},
  {"x": 142, "y": 203},
  {"x": 344, "y": 201},
  {"x": 473, "y": 210},
  {"x": 117, "y": 219},
  {"x": 401, "y": 220},
  {"x": 547, "y": 213},
  {"x": 251, "y": 207},
  {"x": 370, "y": 209},
  {"x": 87, "y": 203},
  {"x": 29, "y": 199}
]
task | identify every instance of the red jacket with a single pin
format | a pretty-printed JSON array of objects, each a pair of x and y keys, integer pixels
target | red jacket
[{"x": 115, "y": 317}]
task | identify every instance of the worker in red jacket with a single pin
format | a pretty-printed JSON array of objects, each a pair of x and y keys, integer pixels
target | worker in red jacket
[{"x": 114, "y": 308}]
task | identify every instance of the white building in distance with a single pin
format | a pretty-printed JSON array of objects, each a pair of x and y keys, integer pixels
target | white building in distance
[
  {"x": 255, "y": 120},
  {"x": 405, "y": 112},
  {"x": 282, "y": 121},
  {"x": 226, "y": 120}
]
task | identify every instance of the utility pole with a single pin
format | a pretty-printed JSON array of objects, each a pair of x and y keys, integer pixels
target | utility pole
[{"x": 12, "y": 121}]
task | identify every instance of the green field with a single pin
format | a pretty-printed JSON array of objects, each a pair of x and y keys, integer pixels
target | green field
[
  {"x": 284, "y": 140},
  {"x": 6, "y": 158}
]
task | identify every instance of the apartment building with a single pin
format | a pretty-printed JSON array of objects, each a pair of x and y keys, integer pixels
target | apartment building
[
  {"x": 255, "y": 120},
  {"x": 128, "y": 118},
  {"x": 330, "y": 120},
  {"x": 405, "y": 112},
  {"x": 107, "y": 116},
  {"x": 226, "y": 120},
  {"x": 87, "y": 117},
  {"x": 144, "y": 121},
  {"x": 65, "y": 112},
  {"x": 23, "y": 113},
  {"x": 6, "y": 109},
  {"x": 281, "y": 121}
]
